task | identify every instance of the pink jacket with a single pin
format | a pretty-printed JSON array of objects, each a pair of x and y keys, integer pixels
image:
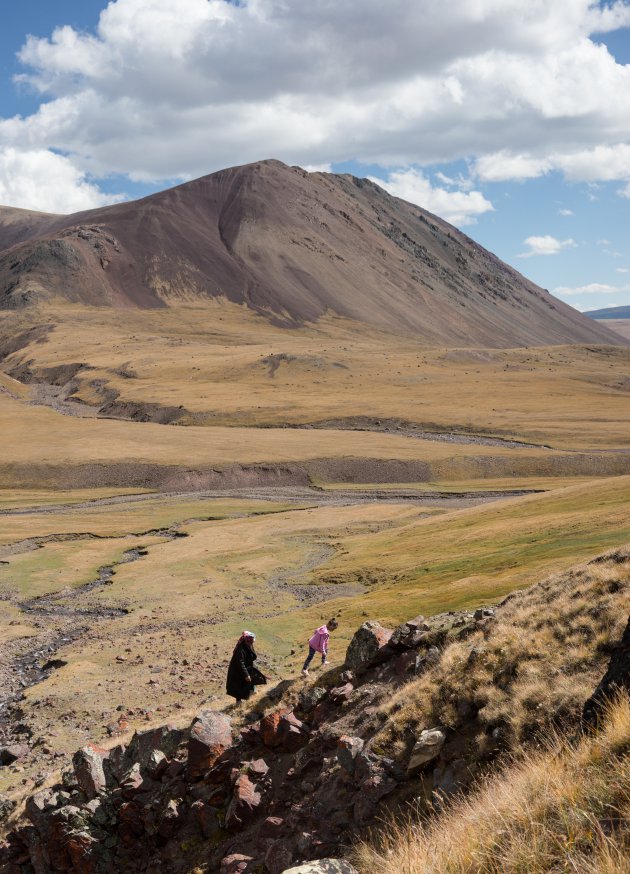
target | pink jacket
[{"x": 319, "y": 641}]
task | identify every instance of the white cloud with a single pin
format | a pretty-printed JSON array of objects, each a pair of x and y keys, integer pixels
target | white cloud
[
  {"x": 43, "y": 181},
  {"x": 169, "y": 89},
  {"x": 546, "y": 245},
  {"x": 566, "y": 212},
  {"x": 593, "y": 288},
  {"x": 457, "y": 207},
  {"x": 622, "y": 270}
]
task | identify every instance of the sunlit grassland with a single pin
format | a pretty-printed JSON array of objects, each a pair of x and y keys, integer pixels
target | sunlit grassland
[
  {"x": 134, "y": 518},
  {"x": 63, "y": 565},
  {"x": 225, "y": 365},
  {"x": 25, "y": 498},
  {"x": 475, "y": 556}
]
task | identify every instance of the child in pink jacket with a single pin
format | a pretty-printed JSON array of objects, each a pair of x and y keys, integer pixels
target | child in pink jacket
[{"x": 319, "y": 643}]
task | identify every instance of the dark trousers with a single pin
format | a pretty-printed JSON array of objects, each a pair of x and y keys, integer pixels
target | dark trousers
[{"x": 310, "y": 656}]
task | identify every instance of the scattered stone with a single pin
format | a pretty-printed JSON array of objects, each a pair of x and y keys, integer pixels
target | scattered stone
[
  {"x": 409, "y": 634},
  {"x": 426, "y": 748}
]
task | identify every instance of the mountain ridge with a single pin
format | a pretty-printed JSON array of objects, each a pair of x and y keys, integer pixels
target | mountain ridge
[{"x": 292, "y": 246}]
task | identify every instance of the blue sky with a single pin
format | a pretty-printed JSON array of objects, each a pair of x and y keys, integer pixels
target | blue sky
[{"x": 509, "y": 118}]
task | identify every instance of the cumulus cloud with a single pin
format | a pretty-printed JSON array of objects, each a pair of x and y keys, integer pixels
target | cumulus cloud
[
  {"x": 172, "y": 89},
  {"x": 592, "y": 288},
  {"x": 43, "y": 181},
  {"x": 457, "y": 207},
  {"x": 546, "y": 245}
]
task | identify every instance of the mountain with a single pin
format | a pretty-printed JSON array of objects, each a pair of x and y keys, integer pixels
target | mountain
[
  {"x": 609, "y": 313},
  {"x": 293, "y": 246}
]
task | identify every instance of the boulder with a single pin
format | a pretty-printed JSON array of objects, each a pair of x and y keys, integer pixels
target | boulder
[
  {"x": 293, "y": 734},
  {"x": 12, "y": 752},
  {"x": 88, "y": 769},
  {"x": 616, "y": 679},
  {"x": 348, "y": 748},
  {"x": 323, "y": 866},
  {"x": 157, "y": 764},
  {"x": 244, "y": 804},
  {"x": 310, "y": 697},
  {"x": 270, "y": 728},
  {"x": 131, "y": 781},
  {"x": 367, "y": 645},
  {"x": 210, "y": 735},
  {"x": 165, "y": 738},
  {"x": 426, "y": 748}
]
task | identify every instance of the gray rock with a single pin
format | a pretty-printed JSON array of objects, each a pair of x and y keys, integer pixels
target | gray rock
[
  {"x": 7, "y": 806},
  {"x": 367, "y": 645},
  {"x": 88, "y": 770},
  {"x": 323, "y": 866},
  {"x": 427, "y": 748},
  {"x": 348, "y": 748},
  {"x": 12, "y": 752}
]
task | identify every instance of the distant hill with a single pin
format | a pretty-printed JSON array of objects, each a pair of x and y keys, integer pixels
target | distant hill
[
  {"x": 292, "y": 246},
  {"x": 609, "y": 313}
]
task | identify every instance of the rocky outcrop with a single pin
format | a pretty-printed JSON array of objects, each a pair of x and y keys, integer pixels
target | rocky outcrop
[
  {"x": 288, "y": 790},
  {"x": 616, "y": 679}
]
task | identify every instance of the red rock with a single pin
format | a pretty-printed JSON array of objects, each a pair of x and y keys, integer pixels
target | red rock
[
  {"x": 292, "y": 732},
  {"x": 341, "y": 693},
  {"x": 234, "y": 864},
  {"x": 210, "y": 735},
  {"x": 79, "y": 846},
  {"x": 270, "y": 728},
  {"x": 244, "y": 804},
  {"x": 258, "y": 769},
  {"x": 88, "y": 769},
  {"x": 348, "y": 748}
]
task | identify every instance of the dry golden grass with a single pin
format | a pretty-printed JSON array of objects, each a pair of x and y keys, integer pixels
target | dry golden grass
[
  {"x": 27, "y": 498},
  {"x": 228, "y": 366},
  {"x": 566, "y": 808},
  {"x": 534, "y": 667}
]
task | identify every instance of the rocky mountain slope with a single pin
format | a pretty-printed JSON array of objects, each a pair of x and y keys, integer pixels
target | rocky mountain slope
[
  {"x": 294, "y": 246},
  {"x": 412, "y": 717}
]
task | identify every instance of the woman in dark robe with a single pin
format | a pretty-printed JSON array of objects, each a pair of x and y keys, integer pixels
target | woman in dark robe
[{"x": 242, "y": 674}]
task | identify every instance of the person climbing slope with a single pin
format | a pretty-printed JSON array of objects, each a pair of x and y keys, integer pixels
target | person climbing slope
[
  {"x": 319, "y": 643},
  {"x": 242, "y": 674}
]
